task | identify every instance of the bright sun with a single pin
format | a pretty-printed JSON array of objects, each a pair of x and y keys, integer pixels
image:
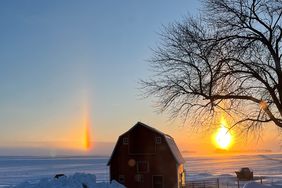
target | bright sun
[{"x": 223, "y": 137}]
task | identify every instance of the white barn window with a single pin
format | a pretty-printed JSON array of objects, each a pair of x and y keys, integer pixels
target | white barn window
[
  {"x": 121, "y": 178},
  {"x": 158, "y": 140},
  {"x": 125, "y": 140},
  {"x": 142, "y": 166}
]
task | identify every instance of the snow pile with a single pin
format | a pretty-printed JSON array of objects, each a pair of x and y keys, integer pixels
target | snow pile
[{"x": 78, "y": 180}]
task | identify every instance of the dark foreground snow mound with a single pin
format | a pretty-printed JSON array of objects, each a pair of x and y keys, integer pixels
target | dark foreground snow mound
[{"x": 78, "y": 180}]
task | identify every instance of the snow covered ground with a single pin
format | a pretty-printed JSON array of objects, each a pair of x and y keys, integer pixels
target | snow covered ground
[
  {"x": 257, "y": 185},
  {"x": 78, "y": 180},
  {"x": 17, "y": 169},
  {"x": 263, "y": 165},
  {"x": 223, "y": 167},
  {"x": 14, "y": 170}
]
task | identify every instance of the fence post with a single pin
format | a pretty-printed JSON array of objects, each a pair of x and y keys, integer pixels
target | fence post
[
  {"x": 238, "y": 183},
  {"x": 217, "y": 181},
  {"x": 260, "y": 180}
]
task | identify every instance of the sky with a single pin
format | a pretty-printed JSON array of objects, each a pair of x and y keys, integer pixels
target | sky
[{"x": 71, "y": 66}]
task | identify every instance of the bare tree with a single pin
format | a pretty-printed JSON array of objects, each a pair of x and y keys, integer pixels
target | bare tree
[{"x": 228, "y": 58}]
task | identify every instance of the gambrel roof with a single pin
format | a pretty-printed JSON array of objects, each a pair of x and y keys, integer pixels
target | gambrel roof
[{"x": 168, "y": 139}]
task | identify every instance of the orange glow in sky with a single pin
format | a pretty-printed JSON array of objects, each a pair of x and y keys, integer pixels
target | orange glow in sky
[
  {"x": 222, "y": 137},
  {"x": 79, "y": 136},
  {"x": 87, "y": 137}
]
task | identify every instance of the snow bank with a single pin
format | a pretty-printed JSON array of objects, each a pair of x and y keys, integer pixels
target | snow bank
[{"x": 78, "y": 180}]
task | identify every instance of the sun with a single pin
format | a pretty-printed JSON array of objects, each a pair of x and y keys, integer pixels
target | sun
[{"x": 223, "y": 137}]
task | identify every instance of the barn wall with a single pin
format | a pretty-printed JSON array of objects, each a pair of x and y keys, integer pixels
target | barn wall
[{"x": 142, "y": 147}]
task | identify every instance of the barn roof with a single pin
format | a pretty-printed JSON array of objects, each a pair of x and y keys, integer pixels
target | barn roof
[
  {"x": 169, "y": 140},
  {"x": 174, "y": 149}
]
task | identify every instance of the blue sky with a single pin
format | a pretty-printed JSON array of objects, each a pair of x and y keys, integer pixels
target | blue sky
[
  {"x": 56, "y": 57},
  {"x": 64, "y": 61}
]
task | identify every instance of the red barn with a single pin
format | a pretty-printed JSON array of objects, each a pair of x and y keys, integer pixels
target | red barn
[{"x": 147, "y": 158}]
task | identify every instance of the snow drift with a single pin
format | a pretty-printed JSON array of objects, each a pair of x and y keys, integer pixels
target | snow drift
[{"x": 78, "y": 180}]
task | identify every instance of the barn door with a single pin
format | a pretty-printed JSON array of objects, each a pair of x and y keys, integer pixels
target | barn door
[{"x": 158, "y": 182}]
